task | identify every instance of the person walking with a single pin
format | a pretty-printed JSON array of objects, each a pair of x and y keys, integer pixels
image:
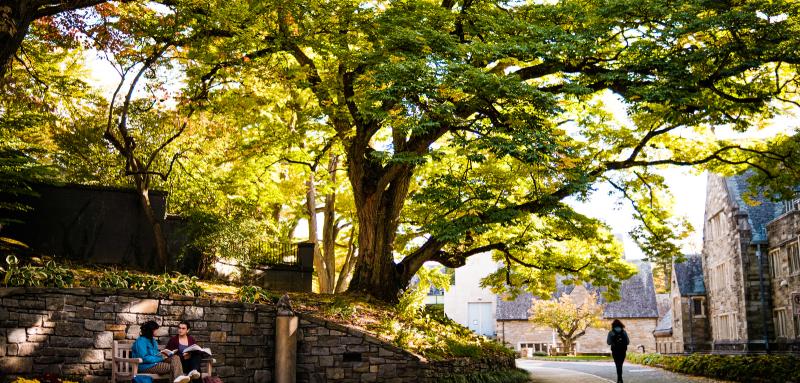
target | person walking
[{"x": 618, "y": 340}]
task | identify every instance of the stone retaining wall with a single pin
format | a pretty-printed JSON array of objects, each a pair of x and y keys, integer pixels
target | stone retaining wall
[{"x": 69, "y": 333}]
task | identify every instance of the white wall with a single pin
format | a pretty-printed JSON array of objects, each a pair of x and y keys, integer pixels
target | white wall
[{"x": 467, "y": 288}]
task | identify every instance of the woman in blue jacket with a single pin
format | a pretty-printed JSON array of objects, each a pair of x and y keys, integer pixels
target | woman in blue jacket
[{"x": 153, "y": 360}]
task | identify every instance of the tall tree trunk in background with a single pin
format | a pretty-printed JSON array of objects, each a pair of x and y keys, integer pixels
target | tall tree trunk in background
[
  {"x": 329, "y": 229},
  {"x": 319, "y": 264},
  {"x": 349, "y": 263}
]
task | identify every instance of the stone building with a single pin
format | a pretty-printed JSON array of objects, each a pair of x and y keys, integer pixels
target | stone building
[
  {"x": 636, "y": 308},
  {"x": 736, "y": 268},
  {"x": 684, "y": 328},
  {"x": 783, "y": 235}
]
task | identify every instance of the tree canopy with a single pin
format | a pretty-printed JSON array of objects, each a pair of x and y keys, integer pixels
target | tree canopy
[{"x": 466, "y": 126}]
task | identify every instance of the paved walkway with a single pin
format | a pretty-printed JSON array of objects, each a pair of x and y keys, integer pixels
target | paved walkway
[{"x": 602, "y": 372}]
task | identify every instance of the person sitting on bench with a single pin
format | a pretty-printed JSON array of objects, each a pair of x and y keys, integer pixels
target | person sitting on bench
[
  {"x": 189, "y": 360},
  {"x": 153, "y": 360}
]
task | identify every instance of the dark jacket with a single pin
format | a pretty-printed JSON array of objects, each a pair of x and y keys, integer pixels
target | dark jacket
[
  {"x": 173, "y": 342},
  {"x": 614, "y": 347}
]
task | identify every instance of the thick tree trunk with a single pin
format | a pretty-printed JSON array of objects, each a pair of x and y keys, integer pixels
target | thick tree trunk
[
  {"x": 376, "y": 273},
  {"x": 13, "y": 28}
]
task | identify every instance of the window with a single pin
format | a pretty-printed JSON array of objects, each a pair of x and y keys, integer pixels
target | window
[
  {"x": 536, "y": 347},
  {"x": 698, "y": 308},
  {"x": 790, "y": 205},
  {"x": 724, "y": 327},
  {"x": 793, "y": 255},
  {"x": 676, "y": 310},
  {"x": 775, "y": 264},
  {"x": 721, "y": 277},
  {"x": 781, "y": 328},
  {"x": 715, "y": 226}
]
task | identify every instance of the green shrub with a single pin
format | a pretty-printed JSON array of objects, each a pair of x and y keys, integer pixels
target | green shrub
[
  {"x": 48, "y": 275},
  {"x": 255, "y": 294},
  {"x": 740, "y": 368},
  {"x": 175, "y": 283},
  {"x": 504, "y": 376}
]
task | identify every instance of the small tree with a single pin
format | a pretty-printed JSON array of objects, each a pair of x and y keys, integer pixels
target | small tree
[{"x": 569, "y": 316}]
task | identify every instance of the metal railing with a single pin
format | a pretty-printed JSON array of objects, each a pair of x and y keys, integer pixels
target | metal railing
[{"x": 260, "y": 253}]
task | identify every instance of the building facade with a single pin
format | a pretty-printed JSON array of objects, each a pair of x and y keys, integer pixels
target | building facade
[
  {"x": 636, "y": 308},
  {"x": 736, "y": 268},
  {"x": 685, "y": 327},
  {"x": 783, "y": 235},
  {"x": 469, "y": 304}
]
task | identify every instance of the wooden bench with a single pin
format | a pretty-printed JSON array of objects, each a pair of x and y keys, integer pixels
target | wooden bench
[{"x": 123, "y": 367}]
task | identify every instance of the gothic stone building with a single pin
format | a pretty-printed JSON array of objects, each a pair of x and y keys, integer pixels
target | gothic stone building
[
  {"x": 685, "y": 327},
  {"x": 636, "y": 309},
  {"x": 737, "y": 273},
  {"x": 783, "y": 235}
]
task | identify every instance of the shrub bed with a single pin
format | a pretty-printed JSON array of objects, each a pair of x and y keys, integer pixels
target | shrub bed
[{"x": 738, "y": 368}]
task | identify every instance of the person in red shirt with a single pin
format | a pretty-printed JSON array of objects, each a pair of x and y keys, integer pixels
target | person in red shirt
[{"x": 189, "y": 360}]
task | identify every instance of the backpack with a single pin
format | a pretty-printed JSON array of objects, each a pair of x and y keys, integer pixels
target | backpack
[{"x": 618, "y": 339}]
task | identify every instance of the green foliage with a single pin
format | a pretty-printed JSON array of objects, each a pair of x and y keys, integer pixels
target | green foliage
[
  {"x": 477, "y": 120},
  {"x": 737, "y": 368},
  {"x": 174, "y": 283},
  {"x": 255, "y": 294},
  {"x": 341, "y": 308},
  {"x": 517, "y": 375},
  {"x": 437, "y": 337},
  {"x": 412, "y": 301},
  {"x": 48, "y": 275}
]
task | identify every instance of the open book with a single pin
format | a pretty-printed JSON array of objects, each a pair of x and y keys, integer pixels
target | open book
[{"x": 195, "y": 347}]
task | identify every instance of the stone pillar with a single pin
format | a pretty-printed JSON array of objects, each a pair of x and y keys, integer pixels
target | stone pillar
[{"x": 286, "y": 325}]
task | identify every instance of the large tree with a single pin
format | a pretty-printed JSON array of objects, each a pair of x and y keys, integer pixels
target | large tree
[
  {"x": 523, "y": 93},
  {"x": 467, "y": 126}
]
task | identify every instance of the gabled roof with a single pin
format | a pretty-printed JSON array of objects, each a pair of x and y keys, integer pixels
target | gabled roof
[
  {"x": 759, "y": 215},
  {"x": 516, "y": 309},
  {"x": 689, "y": 275},
  {"x": 664, "y": 326},
  {"x": 637, "y": 298}
]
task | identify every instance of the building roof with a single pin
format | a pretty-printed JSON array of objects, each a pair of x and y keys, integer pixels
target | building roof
[
  {"x": 516, "y": 309},
  {"x": 689, "y": 274},
  {"x": 637, "y": 298},
  {"x": 664, "y": 326},
  {"x": 662, "y": 304},
  {"x": 757, "y": 215}
]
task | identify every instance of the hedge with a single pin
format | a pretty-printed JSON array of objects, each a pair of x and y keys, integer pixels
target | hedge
[{"x": 738, "y": 368}]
